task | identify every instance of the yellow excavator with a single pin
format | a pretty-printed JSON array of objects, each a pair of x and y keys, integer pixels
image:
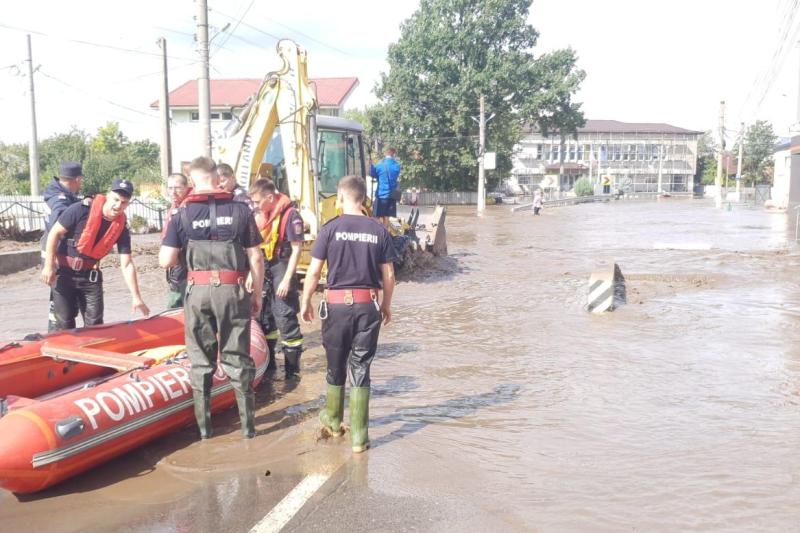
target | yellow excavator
[{"x": 280, "y": 135}]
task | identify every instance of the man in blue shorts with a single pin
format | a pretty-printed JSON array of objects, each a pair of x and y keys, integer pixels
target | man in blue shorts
[{"x": 387, "y": 171}]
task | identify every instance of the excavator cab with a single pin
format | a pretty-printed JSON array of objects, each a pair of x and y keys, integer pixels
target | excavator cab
[{"x": 340, "y": 152}]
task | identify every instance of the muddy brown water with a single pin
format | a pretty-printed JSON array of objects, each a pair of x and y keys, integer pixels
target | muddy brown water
[{"x": 499, "y": 399}]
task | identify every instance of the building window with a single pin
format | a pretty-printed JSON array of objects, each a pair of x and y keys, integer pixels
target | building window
[
  {"x": 195, "y": 116},
  {"x": 572, "y": 152},
  {"x": 214, "y": 116},
  {"x": 227, "y": 116},
  {"x": 538, "y": 152}
]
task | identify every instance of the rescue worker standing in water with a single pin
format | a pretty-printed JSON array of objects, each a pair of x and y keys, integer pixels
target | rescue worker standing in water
[
  {"x": 222, "y": 244},
  {"x": 60, "y": 193},
  {"x": 84, "y": 234},
  {"x": 360, "y": 257},
  {"x": 281, "y": 228},
  {"x": 178, "y": 189}
]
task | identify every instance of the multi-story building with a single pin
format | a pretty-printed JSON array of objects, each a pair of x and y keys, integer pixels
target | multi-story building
[
  {"x": 634, "y": 157},
  {"x": 228, "y": 98}
]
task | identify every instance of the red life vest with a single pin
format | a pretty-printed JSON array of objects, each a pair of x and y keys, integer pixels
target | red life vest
[
  {"x": 88, "y": 245},
  {"x": 202, "y": 197}
]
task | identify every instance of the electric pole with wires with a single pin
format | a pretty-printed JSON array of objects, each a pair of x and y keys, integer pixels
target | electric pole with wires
[
  {"x": 33, "y": 151},
  {"x": 203, "y": 83},
  {"x": 720, "y": 154}
]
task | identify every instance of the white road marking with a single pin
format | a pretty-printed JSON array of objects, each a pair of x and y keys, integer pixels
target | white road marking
[{"x": 280, "y": 515}]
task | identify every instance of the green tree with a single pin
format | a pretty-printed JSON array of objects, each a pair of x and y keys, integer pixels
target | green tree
[
  {"x": 758, "y": 149},
  {"x": 109, "y": 139},
  {"x": 451, "y": 52},
  {"x": 707, "y": 147},
  {"x": 106, "y": 156}
]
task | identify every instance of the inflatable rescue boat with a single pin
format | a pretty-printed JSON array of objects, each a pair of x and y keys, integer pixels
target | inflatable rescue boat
[{"x": 73, "y": 399}]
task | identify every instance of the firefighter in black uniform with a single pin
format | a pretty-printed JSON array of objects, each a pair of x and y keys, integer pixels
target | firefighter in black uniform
[
  {"x": 59, "y": 194},
  {"x": 221, "y": 243},
  {"x": 282, "y": 229},
  {"x": 178, "y": 188},
  {"x": 84, "y": 234},
  {"x": 360, "y": 257}
]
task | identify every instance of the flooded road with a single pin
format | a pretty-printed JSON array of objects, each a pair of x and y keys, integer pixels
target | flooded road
[{"x": 500, "y": 403}]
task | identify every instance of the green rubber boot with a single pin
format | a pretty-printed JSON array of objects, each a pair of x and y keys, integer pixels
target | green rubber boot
[
  {"x": 331, "y": 416},
  {"x": 246, "y": 402},
  {"x": 359, "y": 418},
  {"x": 202, "y": 413}
]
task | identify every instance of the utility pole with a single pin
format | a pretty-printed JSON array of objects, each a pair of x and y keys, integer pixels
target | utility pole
[
  {"x": 481, "y": 152},
  {"x": 163, "y": 107},
  {"x": 33, "y": 149},
  {"x": 739, "y": 164},
  {"x": 718, "y": 180},
  {"x": 203, "y": 84}
]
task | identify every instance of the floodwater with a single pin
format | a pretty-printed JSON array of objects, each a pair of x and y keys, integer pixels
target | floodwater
[{"x": 500, "y": 403}]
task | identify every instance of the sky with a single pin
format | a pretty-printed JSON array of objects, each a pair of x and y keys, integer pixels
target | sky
[{"x": 645, "y": 61}]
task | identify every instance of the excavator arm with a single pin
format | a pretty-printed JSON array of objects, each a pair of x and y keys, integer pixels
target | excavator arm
[{"x": 284, "y": 105}]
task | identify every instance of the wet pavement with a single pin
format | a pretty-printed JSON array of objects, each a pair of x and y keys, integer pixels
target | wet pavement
[{"x": 499, "y": 403}]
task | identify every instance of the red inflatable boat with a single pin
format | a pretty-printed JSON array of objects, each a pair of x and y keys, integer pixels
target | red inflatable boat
[{"x": 74, "y": 399}]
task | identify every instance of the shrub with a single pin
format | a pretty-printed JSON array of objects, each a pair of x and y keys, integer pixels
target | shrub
[{"x": 583, "y": 187}]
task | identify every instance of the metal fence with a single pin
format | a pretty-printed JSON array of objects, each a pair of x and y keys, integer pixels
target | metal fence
[
  {"x": 441, "y": 198},
  {"x": 30, "y": 213}
]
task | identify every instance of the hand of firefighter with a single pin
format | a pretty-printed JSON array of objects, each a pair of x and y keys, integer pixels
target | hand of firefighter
[
  {"x": 283, "y": 289},
  {"x": 48, "y": 274},
  {"x": 307, "y": 312},
  {"x": 255, "y": 305},
  {"x": 248, "y": 284},
  {"x": 139, "y": 305},
  {"x": 386, "y": 312}
]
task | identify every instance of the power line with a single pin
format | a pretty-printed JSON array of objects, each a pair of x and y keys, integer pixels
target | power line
[
  {"x": 90, "y": 43},
  {"x": 298, "y": 32},
  {"x": 121, "y": 106},
  {"x": 235, "y": 27},
  {"x": 766, "y": 78}
]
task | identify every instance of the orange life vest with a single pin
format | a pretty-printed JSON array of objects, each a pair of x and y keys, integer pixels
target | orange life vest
[
  {"x": 88, "y": 245},
  {"x": 272, "y": 225}
]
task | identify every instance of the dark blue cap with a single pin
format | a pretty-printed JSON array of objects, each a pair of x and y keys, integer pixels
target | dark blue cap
[
  {"x": 70, "y": 170},
  {"x": 122, "y": 186}
]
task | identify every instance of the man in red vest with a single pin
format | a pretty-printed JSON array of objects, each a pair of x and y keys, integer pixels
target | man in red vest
[{"x": 84, "y": 234}]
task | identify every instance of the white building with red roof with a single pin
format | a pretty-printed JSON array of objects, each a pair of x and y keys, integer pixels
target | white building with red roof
[{"x": 228, "y": 98}]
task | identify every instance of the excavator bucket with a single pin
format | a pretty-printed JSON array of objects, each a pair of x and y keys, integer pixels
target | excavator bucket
[{"x": 425, "y": 227}]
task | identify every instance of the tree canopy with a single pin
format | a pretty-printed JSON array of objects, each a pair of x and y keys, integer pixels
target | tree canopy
[
  {"x": 758, "y": 148},
  {"x": 451, "y": 52},
  {"x": 106, "y": 156}
]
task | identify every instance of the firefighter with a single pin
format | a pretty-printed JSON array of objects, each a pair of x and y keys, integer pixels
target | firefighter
[
  {"x": 360, "y": 257},
  {"x": 60, "y": 193},
  {"x": 221, "y": 244},
  {"x": 227, "y": 182},
  {"x": 84, "y": 234},
  {"x": 281, "y": 228},
  {"x": 178, "y": 189}
]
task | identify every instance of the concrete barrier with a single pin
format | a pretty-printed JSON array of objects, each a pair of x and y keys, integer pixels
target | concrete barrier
[
  {"x": 606, "y": 289},
  {"x": 17, "y": 260}
]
